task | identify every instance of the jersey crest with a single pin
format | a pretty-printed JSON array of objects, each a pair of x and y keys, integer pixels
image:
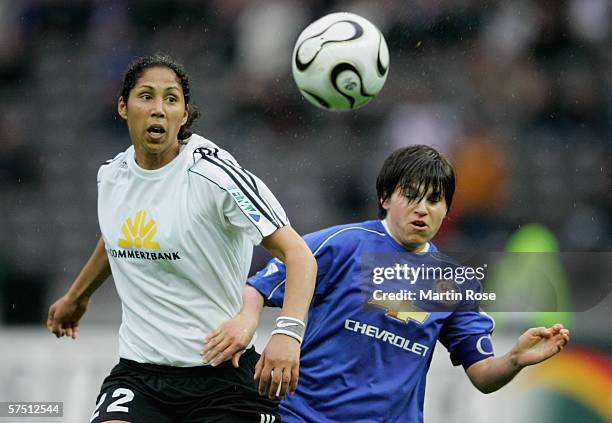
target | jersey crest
[{"x": 409, "y": 310}]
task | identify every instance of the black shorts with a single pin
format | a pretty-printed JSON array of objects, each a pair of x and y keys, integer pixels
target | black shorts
[{"x": 150, "y": 393}]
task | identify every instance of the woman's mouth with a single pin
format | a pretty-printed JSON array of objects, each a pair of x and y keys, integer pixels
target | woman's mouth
[{"x": 156, "y": 132}]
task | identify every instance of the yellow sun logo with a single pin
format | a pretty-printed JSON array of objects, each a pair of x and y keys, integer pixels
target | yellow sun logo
[{"x": 139, "y": 233}]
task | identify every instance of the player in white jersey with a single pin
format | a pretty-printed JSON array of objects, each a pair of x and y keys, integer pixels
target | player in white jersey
[{"x": 179, "y": 218}]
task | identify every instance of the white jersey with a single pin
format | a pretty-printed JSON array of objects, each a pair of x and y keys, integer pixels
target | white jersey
[{"x": 180, "y": 242}]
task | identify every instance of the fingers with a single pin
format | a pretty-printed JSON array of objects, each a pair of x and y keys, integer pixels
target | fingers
[
  {"x": 542, "y": 332},
  {"x": 59, "y": 330},
  {"x": 566, "y": 335},
  {"x": 63, "y": 318},
  {"x": 220, "y": 352},
  {"x": 274, "y": 382},
  {"x": 75, "y": 330},
  {"x": 265, "y": 374},
  {"x": 226, "y": 354},
  {"x": 563, "y": 338},
  {"x": 220, "y": 349},
  {"x": 54, "y": 325},
  {"x": 285, "y": 380},
  {"x": 560, "y": 335},
  {"x": 277, "y": 369},
  {"x": 50, "y": 320},
  {"x": 551, "y": 331},
  {"x": 556, "y": 328},
  {"x": 71, "y": 330},
  {"x": 270, "y": 379},
  {"x": 295, "y": 374},
  {"x": 212, "y": 340},
  {"x": 259, "y": 367},
  {"x": 212, "y": 335},
  {"x": 280, "y": 381},
  {"x": 236, "y": 358},
  {"x": 222, "y": 345},
  {"x": 559, "y": 340}
]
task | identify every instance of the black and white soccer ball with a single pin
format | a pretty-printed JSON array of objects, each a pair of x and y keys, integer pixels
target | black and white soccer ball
[{"x": 340, "y": 62}]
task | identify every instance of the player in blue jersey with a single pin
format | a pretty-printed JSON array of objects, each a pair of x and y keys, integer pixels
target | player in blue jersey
[{"x": 363, "y": 362}]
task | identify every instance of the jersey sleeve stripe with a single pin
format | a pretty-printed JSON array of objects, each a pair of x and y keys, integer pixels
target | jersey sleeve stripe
[
  {"x": 264, "y": 211},
  {"x": 220, "y": 187},
  {"x": 245, "y": 191},
  {"x": 251, "y": 183},
  {"x": 237, "y": 167},
  {"x": 322, "y": 244},
  {"x": 281, "y": 283}
]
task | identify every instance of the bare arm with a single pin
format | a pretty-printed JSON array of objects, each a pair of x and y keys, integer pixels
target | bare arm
[
  {"x": 252, "y": 304},
  {"x": 279, "y": 363},
  {"x": 286, "y": 245},
  {"x": 65, "y": 314},
  {"x": 92, "y": 276},
  {"x": 532, "y": 347}
]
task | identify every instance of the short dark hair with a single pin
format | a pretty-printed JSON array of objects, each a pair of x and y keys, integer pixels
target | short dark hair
[
  {"x": 415, "y": 170},
  {"x": 137, "y": 68}
]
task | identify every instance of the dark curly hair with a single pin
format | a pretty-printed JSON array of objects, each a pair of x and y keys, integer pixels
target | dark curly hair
[{"x": 137, "y": 68}]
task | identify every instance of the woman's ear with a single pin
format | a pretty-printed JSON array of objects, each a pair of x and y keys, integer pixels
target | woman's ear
[
  {"x": 185, "y": 116},
  {"x": 122, "y": 108}
]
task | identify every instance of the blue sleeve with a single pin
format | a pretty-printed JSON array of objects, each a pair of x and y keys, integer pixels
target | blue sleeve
[
  {"x": 467, "y": 337},
  {"x": 270, "y": 281}
]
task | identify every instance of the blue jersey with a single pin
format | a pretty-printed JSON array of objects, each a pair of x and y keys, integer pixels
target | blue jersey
[{"x": 364, "y": 364}]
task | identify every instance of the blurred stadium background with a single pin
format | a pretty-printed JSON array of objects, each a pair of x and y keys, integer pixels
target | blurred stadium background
[{"x": 518, "y": 94}]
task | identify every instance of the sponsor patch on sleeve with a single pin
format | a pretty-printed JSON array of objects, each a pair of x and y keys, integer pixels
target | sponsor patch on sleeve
[{"x": 245, "y": 205}]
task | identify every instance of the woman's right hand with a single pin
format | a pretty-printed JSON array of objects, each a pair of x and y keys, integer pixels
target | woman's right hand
[{"x": 65, "y": 315}]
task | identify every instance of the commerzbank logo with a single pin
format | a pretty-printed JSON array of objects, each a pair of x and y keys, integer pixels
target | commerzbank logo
[{"x": 139, "y": 232}]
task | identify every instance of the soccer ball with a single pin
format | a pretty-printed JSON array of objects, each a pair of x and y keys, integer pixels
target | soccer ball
[{"x": 340, "y": 62}]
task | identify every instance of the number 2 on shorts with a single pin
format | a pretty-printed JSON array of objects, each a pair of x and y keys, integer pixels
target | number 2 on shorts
[{"x": 125, "y": 395}]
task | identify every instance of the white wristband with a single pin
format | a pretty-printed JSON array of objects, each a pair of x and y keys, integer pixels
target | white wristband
[{"x": 290, "y": 326}]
